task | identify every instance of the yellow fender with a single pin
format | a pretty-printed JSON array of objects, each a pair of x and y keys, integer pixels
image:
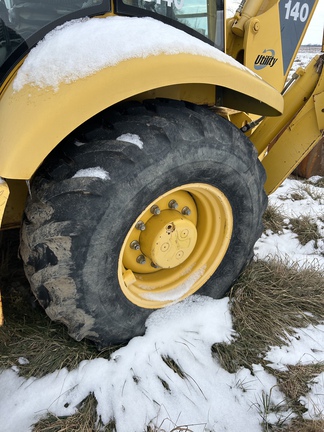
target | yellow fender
[{"x": 34, "y": 120}]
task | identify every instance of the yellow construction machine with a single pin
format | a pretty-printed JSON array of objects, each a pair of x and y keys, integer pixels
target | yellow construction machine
[{"x": 139, "y": 140}]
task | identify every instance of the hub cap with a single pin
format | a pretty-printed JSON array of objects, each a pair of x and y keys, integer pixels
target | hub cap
[{"x": 168, "y": 239}]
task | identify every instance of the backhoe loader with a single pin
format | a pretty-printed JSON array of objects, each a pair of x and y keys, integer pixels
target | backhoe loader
[{"x": 139, "y": 140}]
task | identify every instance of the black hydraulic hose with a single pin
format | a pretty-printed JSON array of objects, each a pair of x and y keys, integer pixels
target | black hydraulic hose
[{"x": 254, "y": 123}]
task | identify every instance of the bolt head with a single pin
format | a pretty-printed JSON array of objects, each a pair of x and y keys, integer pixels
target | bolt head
[
  {"x": 140, "y": 226},
  {"x": 141, "y": 259},
  {"x": 173, "y": 204},
  {"x": 155, "y": 210},
  {"x": 135, "y": 245},
  {"x": 186, "y": 211}
]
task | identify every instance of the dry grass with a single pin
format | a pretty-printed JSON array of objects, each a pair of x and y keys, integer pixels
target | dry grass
[
  {"x": 267, "y": 303},
  {"x": 307, "y": 187},
  {"x": 306, "y": 230},
  {"x": 318, "y": 183},
  {"x": 301, "y": 425},
  {"x": 315, "y": 194},
  {"x": 295, "y": 382},
  {"x": 173, "y": 365},
  {"x": 273, "y": 219},
  {"x": 297, "y": 196},
  {"x": 83, "y": 421}
]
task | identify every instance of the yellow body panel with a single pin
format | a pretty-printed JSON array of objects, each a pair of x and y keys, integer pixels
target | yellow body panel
[
  {"x": 257, "y": 33},
  {"x": 301, "y": 134},
  {"x": 294, "y": 100},
  {"x": 288, "y": 151},
  {"x": 34, "y": 120}
]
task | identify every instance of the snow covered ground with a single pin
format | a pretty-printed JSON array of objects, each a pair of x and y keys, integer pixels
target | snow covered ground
[
  {"x": 136, "y": 387},
  {"x": 304, "y": 56},
  {"x": 293, "y": 200}
]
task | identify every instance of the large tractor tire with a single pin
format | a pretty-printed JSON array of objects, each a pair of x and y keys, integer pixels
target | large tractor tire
[{"x": 113, "y": 231}]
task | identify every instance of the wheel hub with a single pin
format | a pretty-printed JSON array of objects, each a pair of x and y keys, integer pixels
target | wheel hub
[
  {"x": 175, "y": 244},
  {"x": 168, "y": 239}
]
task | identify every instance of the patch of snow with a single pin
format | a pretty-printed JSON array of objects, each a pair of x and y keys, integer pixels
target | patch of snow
[
  {"x": 23, "y": 361},
  {"x": 93, "y": 172},
  {"x": 61, "y": 58},
  {"x": 131, "y": 138},
  {"x": 314, "y": 400},
  {"x": 280, "y": 246},
  {"x": 305, "y": 347},
  {"x": 136, "y": 386},
  {"x": 286, "y": 246},
  {"x": 79, "y": 143},
  {"x": 177, "y": 293},
  {"x": 314, "y": 179},
  {"x": 303, "y": 58}
]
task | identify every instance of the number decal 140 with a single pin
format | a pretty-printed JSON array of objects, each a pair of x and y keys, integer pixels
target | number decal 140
[{"x": 298, "y": 11}]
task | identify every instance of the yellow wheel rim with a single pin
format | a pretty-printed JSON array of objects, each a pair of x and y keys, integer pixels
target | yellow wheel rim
[{"x": 175, "y": 245}]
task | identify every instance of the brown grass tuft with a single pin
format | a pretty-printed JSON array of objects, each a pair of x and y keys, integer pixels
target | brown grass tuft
[
  {"x": 85, "y": 420},
  {"x": 273, "y": 219},
  {"x": 301, "y": 425},
  {"x": 267, "y": 303},
  {"x": 296, "y": 381},
  {"x": 306, "y": 230}
]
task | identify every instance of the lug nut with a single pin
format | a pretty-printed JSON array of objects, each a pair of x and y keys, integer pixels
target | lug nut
[
  {"x": 186, "y": 211},
  {"x": 141, "y": 259},
  {"x": 135, "y": 245},
  {"x": 140, "y": 226},
  {"x": 154, "y": 265},
  {"x": 155, "y": 210},
  {"x": 173, "y": 204}
]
